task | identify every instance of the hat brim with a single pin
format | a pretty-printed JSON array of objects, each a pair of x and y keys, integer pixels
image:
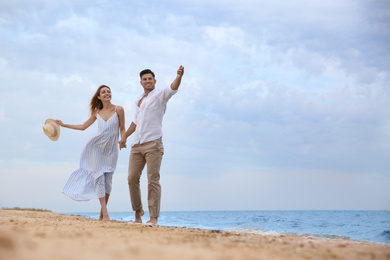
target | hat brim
[{"x": 58, "y": 129}]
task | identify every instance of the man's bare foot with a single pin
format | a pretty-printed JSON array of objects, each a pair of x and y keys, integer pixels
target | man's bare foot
[
  {"x": 152, "y": 221},
  {"x": 138, "y": 216}
]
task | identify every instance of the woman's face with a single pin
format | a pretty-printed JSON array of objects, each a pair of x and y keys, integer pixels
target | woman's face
[{"x": 105, "y": 94}]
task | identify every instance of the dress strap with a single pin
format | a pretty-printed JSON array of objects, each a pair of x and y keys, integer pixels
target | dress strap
[{"x": 115, "y": 108}]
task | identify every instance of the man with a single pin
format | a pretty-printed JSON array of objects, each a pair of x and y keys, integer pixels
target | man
[{"x": 147, "y": 147}]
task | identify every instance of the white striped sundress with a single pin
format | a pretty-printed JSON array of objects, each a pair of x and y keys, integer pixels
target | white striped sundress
[{"x": 97, "y": 163}]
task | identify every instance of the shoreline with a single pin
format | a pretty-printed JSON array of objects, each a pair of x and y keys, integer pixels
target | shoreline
[
  {"x": 49, "y": 235},
  {"x": 251, "y": 232},
  {"x": 264, "y": 230}
]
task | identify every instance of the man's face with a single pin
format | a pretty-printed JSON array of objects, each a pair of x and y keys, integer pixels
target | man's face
[{"x": 148, "y": 82}]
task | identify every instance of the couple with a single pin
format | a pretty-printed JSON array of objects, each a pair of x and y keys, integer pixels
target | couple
[{"x": 98, "y": 160}]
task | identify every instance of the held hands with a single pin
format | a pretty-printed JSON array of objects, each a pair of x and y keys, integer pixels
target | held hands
[{"x": 122, "y": 143}]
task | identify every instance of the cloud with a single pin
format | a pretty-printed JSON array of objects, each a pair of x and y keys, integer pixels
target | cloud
[{"x": 278, "y": 85}]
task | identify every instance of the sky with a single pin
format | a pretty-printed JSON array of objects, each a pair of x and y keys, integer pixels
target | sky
[{"x": 284, "y": 105}]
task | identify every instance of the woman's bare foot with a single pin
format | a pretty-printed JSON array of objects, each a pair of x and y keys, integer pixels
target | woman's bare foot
[
  {"x": 101, "y": 215},
  {"x": 105, "y": 216},
  {"x": 138, "y": 216}
]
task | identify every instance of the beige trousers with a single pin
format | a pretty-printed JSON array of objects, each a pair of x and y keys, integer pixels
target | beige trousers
[{"x": 151, "y": 154}]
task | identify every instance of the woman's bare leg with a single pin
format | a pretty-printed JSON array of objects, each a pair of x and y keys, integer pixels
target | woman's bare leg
[{"x": 103, "y": 212}]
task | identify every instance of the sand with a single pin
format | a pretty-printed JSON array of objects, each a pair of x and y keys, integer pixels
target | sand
[{"x": 47, "y": 235}]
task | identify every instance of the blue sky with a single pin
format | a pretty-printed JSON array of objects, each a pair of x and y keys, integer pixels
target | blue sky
[{"x": 284, "y": 105}]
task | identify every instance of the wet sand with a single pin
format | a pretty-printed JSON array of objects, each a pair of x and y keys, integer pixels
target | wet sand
[{"x": 31, "y": 235}]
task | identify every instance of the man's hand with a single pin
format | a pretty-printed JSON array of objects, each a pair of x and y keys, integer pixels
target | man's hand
[
  {"x": 180, "y": 71},
  {"x": 176, "y": 83}
]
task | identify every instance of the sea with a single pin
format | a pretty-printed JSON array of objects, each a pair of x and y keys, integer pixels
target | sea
[{"x": 357, "y": 225}]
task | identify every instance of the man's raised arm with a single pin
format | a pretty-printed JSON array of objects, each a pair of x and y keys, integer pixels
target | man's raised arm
[{"x": 176, "y": 83}]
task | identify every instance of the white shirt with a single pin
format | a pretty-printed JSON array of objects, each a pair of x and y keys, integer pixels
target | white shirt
[{"x": 149, "y": 117}]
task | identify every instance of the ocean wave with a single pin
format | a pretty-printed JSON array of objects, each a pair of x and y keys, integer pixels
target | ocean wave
[
  {"x": 321, "y": 224},
  {"x": 281, "y": 233},
  {"x": 256, "y": 231},
  {"x": 386, "y": 235}
]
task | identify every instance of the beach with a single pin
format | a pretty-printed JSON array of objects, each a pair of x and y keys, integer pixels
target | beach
[{"x": 48, "y": 235}]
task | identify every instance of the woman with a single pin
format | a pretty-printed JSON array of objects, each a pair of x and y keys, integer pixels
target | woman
[{"x": 98, "y": 160}]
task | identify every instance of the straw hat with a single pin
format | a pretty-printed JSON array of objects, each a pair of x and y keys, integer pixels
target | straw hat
[{"x": 51, "y": 129}]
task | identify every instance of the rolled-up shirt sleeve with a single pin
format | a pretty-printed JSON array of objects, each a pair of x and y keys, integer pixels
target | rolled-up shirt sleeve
[{"x": 167, "y": 93}]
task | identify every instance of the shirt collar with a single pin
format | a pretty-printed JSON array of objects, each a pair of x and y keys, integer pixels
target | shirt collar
[{"x": 143, "y": 94}]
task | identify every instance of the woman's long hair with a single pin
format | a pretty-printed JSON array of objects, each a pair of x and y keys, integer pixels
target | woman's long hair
[{"x": 96, "y": 103}]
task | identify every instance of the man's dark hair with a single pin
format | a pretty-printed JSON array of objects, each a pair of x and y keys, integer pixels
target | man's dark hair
[{"x": 146, "y": 71}]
